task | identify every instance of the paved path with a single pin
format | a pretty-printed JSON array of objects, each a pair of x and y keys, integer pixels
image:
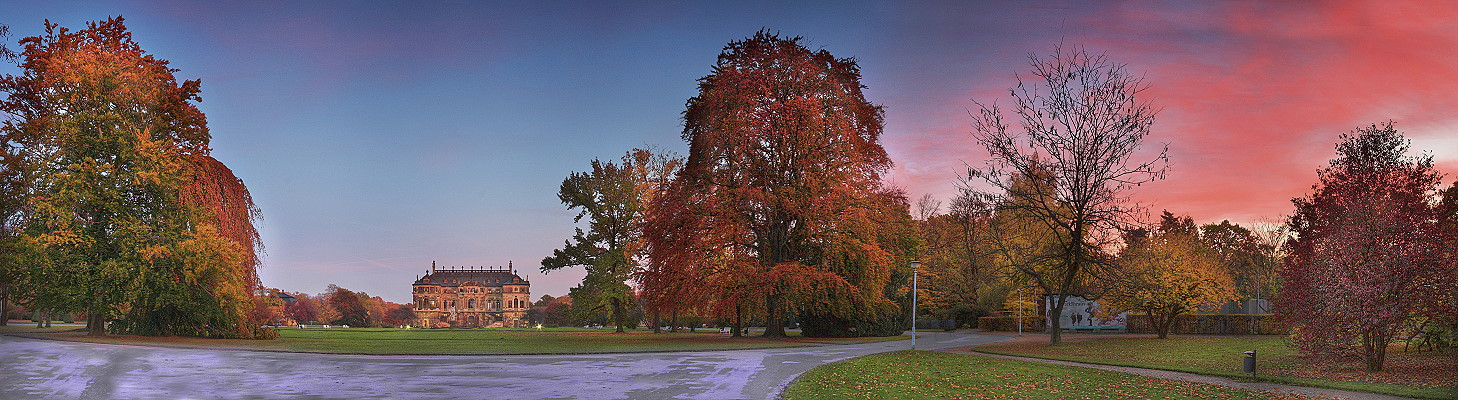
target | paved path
[{"x": 31, "y": 368}]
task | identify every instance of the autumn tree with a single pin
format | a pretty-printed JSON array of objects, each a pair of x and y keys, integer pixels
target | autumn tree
[
  {"x": 779, "y": 208},
  {"x": 398, "y": 315},
  {"x": 12, "y": 198},
  {"x": 1249, "y": 255},
  {"x": 1165, "y": 274},
  {"x": 553, "y": 311},
  {"x": 268, "y": 308},
  {"x": 304, "y": 309},
  {"x": 1369, "y": 252},
  {"x": 613, "y": 197},
  {"x": 959, "y": 277},
  {"x": 107, "y": 145},
  {"x": 352, "y": 311},
  {"x": 1448, "y": 228},
  {"x": 1082, "y": 123},
  {"x": 1025, "y": 251}
]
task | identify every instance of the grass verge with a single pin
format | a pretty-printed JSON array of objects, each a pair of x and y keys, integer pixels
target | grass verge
[
  {"x": 1407, "y": 375},
  {"x": 469, "y": 341},
  {"x": 936, "y": 375},
  {"x": 30, "y": 328}
]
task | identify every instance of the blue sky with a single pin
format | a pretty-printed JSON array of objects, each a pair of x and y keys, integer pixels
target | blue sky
[{"x": 377, "y": 137}]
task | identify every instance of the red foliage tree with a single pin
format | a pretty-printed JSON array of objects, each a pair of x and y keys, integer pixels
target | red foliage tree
[
  {"x": 303, "y": 310},
  {"x": 398, "y": 314},
  {"x": 352, "y": 311},
  {"x": 779, "y": 203},
  {"x": 1368, "y": 255},
  {"x": 222, "y": 200}
]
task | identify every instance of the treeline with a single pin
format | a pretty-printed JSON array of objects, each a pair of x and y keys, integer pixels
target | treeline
[
  {"x": 336, "y": 306},
  {"x": 111, "y": 205},
  {"x": 779, "y": 216}
]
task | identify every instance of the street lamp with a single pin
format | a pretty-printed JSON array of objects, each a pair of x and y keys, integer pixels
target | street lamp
[{"x": 914, "y": 266}]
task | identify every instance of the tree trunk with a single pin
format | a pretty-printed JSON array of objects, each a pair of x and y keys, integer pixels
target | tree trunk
[
  {"x": 738, "y": 321},
  {"x": 40, "y": 318},
  {"x": 618, "y": 314},
  {"x": 4, "y": 304},
  {"x": 673, "y": 321},
  {"x": 95, "y": 324},
  {"x": 774, "y": 319},
  {"x": 657, "y": 322},
  {"x": 1376, "y": 350},
  {"x": 1055, "y": 323},
  {"x": 1075, "y": 260},
  {"x": 1161, "y": 324}
]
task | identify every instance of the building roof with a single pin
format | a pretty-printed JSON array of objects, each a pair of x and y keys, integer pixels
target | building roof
[{"x": 471, "y": 276}]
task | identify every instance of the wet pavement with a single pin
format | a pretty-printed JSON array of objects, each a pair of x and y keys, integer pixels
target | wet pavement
[{"x": 32, "y": 368}]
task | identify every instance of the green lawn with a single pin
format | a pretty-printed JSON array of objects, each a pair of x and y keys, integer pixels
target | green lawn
[
  {"x": 29, "y": 327},
  {"x": 1222, "y": 356},
  {"x": 935, "y": 375},
  {"x": 474, "y": 341}
]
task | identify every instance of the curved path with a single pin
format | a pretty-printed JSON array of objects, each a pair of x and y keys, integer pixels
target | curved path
[{"x": 31, "y": 368}]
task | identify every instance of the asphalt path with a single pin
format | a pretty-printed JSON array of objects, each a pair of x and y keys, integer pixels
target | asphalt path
[{"x": 32, "y": 368}]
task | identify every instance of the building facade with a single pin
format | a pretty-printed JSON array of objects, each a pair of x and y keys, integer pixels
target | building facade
[{"x": 472, "y": 297}]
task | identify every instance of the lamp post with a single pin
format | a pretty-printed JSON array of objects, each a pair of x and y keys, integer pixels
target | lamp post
[{"x": 914, "y": 266}]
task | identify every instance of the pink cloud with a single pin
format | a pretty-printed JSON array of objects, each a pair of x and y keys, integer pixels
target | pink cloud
[{"x": 1254, "y": 95}]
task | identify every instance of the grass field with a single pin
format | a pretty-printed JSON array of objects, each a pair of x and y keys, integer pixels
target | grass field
[
  {"x": 29, "y": 327},
  {"x": 934, "y": 375},
  {"x": 1425, "y": 375},
  {"x": 472, "y": 341}
]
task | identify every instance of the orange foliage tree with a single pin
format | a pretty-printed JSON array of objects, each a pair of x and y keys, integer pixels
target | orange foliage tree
[
  {"x": 1167, "y": 274},
  {"x": 779, "y": 209},
  {"x": 113, "y": 154}
]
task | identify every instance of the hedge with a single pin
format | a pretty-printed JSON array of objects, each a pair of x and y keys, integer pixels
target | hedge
[
  {"x": 1031, "y": 323},
  {"x": 1229, "y": 324}
]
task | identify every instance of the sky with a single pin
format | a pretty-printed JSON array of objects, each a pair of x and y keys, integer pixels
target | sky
[{"x": 379, "y": 137}]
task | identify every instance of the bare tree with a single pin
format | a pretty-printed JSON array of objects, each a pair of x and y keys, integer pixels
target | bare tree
[
  {"x": 927, "y": 207},
  {"x": 1081, "y": 127},
  {"x": 1271, "y": 237}
]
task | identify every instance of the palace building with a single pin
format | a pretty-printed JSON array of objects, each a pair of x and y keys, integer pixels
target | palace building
[{"x": 472, "y": 297}]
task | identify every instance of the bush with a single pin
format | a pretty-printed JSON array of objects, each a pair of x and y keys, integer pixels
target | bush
[
  {"x": 833, "y": 326},
  {"x": 1031, "y": 323},
  {"x": 1220, "y": 324},
  {"x": 966, "y": 313}
]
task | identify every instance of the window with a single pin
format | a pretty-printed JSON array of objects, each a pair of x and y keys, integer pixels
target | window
[{"x": 471, "y": 304}]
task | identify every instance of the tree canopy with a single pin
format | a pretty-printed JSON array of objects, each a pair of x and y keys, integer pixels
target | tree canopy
[
  {"x": 1369, "y": 253},
  {"x": 124, "y": 209},
  {"x": 1165, "y": 274},
  {"x": 779, "y": 207}
]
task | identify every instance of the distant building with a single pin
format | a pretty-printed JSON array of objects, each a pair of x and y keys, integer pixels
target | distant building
[{"x": 472, "y": 297}]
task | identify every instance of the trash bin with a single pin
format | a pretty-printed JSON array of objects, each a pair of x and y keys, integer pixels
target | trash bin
[{"x": 1250, "y": 362}]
